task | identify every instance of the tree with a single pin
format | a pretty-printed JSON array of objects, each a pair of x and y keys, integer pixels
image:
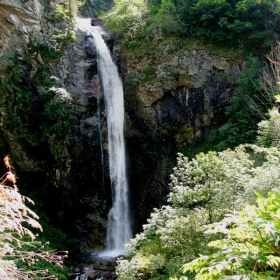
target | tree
[
  {"x": 269, "y": 130},
  {"x": 209, "y": 18},
  {"x": 126, "y": 17}
]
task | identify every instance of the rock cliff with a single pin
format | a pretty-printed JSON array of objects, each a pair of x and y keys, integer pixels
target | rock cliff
[
  {"x": 18, "y": 19},
  {"x": 171, "y": 103},
  {"x": 175, "y": 106}
]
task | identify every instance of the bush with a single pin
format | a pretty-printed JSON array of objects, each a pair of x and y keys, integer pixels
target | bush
[
  {"x": 202, "y": 191},
  {"x": 57, "y": 117},
  {"x": 126, "y": 17},
  {"x": 269, "y": 130}
]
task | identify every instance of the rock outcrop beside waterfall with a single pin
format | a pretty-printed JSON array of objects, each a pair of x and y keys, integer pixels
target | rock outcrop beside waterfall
[
  {"x": 172, "y": 110},
  {"x": 175, "y": 107}
]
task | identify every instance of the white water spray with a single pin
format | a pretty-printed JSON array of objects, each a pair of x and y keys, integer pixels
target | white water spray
[{"x": 119, "y": 225}]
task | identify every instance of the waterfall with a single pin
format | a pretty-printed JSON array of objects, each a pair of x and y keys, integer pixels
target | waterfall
[
  {"x": 101, "y": 141},
  {"x": 119, "y": 225}
]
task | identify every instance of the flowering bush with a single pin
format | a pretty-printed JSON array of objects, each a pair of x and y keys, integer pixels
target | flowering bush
[{"x": 203, "y": 191}]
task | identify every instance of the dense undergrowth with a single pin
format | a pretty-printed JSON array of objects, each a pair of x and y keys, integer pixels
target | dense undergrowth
[{"x": 245, "y": 24}]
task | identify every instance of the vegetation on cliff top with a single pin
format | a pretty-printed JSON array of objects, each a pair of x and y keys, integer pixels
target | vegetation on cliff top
[
  {"x": 243, "y": 24},
  {"x": 243, "y": 29}
]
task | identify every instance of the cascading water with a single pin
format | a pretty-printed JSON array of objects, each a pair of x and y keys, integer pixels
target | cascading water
[
  {"x": 119, "y": 225},
  {"x": 101, "y": 141}
]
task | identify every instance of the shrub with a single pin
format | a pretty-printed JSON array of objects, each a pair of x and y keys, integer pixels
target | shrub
[
  {"x": 126, "y": 17},
  {"x": 202, "y": 191},
  {"x": 57, "y": 116},
  {"x": 269, "y": 130}
]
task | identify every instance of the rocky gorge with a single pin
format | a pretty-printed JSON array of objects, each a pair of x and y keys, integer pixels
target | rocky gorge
[{"x": 173, "y": 99}]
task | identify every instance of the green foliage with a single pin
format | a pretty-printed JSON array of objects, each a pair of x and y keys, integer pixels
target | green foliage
[
  {"x": 66, "y": 10},
  {"x": 61, "y": 272},
  {"x": 30, "y": 112},
  {"x": 57, "y": 117},
  {"x": 52, "y": 47},
  {"x": 209, "y": 179},
  {"x": 269, "y": 130},
  {"x": 37, "y": 109},
  {"x": 154, "y": 6},
  {"x": 202, "y": 191},
  {"x": 249, "y": 248},
  {"x": 126, "y": 17},
  {"x": 246, "y": 24},
  {"x": 208, "y": 15},
  {"x": 243, "y": 23},
  {"x": 61, "y": 12}
]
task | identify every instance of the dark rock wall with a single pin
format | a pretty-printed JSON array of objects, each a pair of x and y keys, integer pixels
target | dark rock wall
[
  {"x": 84, "y": 183},
  {"x": 161, "y": 121}
]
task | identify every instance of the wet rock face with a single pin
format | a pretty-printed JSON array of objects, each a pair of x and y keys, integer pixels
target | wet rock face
[
  {"x": 84, "y": 266},
  {"x": 84, "y": 186}
]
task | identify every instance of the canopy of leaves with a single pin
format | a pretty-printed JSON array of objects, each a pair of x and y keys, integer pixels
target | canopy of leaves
[
  {"x": 249, "y": 248},
  {"x": 126, "y": 17},
  {"x": 247, "y": 24}
]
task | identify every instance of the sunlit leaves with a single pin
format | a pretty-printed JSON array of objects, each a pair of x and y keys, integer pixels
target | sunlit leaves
[
  {"x": 214, "y": 181},
  {"x": 250, "y": 247},
  {"x": 126, "y": 17},
  {"x": 206, "y": 189},
  {"x": 269, "y": 130}
]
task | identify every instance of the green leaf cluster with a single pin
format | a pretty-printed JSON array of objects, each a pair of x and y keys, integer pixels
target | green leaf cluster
[
  {"x": 249, "y": 248},
  {"x": 126, "y": 17},
  {"x": 244, "y": 24},
  {"x": 269, "y": 130}
]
